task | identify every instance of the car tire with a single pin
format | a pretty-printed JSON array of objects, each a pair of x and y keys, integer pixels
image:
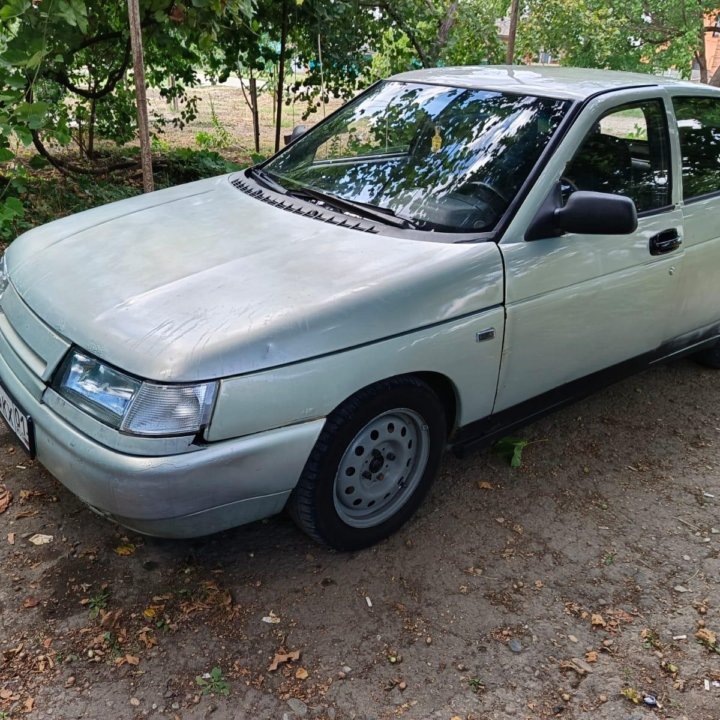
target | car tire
[
  {"x": 372, "y": 465},
  {"x": 710, "y": 357}
]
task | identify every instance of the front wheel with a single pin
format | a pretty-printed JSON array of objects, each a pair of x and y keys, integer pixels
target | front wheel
[{"x": 372, "y": 464}]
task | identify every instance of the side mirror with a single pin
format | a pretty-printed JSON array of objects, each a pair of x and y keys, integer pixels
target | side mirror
[
  {"x": 297, "y": 131},
  {"x": 587, "y": 212}
]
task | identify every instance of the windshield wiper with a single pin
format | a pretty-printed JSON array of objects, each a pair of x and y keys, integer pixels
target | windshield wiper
[
  {"x": 266, "y": 179},
  {"x": 373, "y": 212}
]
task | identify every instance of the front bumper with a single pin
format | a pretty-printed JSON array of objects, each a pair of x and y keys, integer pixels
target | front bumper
[{"x": 213, "y": 487}]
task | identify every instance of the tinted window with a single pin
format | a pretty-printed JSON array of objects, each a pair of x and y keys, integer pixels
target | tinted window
[
  {"x": 699, "y": 126},
  {"x": 446, "y": 158},
  {"x": 626, "y": 153}
]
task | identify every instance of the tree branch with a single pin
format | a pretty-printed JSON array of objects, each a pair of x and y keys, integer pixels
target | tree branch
[
  {"x": 113, "y": 79},
  {"x": 68, "y": 168},
  {"x": 446, "y": 26},
  {"x": 425, "y": 59}
]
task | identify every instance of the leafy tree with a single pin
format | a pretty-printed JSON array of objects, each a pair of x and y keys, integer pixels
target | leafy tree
[
  {"x": 641, "y": 35},
  {"x": 64, "y": 75},
  {"x": 447, "y": 31}
]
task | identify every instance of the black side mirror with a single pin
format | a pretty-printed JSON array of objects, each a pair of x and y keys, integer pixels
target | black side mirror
[
  {"x": 297, "y": 131},
  {"x": 584, "y": 212}
]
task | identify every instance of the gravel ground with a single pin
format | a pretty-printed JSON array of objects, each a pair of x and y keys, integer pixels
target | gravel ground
[{"x": 566, "y": 588}]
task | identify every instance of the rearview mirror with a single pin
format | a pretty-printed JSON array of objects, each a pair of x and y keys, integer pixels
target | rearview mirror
[{"x": 585, "y": 212}]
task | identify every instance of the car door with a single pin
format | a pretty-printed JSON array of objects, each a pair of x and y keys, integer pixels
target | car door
[
  {"x": 580, "y": 303},
  {"x": 698, "y": 123}
]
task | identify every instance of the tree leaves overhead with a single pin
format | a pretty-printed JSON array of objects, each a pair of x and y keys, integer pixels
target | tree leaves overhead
[{"x": 640, "y": 35}]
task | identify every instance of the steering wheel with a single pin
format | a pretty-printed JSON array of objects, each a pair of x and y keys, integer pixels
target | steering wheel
[
  {"x": 488, "y": 188},
  {"x": 567, "y": 185}
]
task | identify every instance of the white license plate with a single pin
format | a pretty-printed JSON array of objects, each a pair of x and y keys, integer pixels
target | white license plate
[{"x": 19, "y": 422}]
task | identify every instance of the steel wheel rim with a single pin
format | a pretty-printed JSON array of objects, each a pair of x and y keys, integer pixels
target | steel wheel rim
[{"x": 381, "y": 468}]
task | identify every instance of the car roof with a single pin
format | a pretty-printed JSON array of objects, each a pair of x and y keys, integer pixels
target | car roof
[{"x": 550, "y": 81}]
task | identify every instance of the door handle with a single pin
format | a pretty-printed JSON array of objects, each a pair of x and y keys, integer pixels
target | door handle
[{"x": 665, "y": 242}]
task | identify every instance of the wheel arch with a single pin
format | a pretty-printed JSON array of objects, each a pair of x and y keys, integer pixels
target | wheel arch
[{"x": 445, "y": 389}]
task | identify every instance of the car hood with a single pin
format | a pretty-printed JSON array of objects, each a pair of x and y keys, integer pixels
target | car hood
[{"x": 203, "y": 281}]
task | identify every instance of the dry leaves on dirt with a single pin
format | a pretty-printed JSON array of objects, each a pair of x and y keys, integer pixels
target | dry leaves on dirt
[
  {"x": 708, "y": 638},
  {"x": 5, "y": 498},
  {"x": 281, "y": 658},
  {"x": 632, "y": 695},
  {"x": 577, "y": 665},
  {"x": 40, "y": 539},
  {"x": 125, "y": 550}
]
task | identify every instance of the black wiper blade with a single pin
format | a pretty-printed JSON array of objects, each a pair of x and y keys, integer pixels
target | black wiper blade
[
  {"x": 266, "y": 179},
  {"x": 383, "y": 215}
]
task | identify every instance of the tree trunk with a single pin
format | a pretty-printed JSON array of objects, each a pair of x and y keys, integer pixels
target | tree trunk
[
  {"x": 254, "y": 111},
  {"x": 140, "y": 95},
  {"x": 281, "y": 75},
  {"x": 446, "y": 27},
  {"x": 91, "y": 130},
  {"x": 512, "y": 31}
]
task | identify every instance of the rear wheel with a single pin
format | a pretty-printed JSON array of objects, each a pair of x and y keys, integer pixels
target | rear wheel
[
  {"x": 372, "y": 464},
  {"x": 710, "y": 357}
]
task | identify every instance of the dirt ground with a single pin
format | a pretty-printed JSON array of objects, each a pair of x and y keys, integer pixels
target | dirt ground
[
  {"x": 538, "y": 592},
  {"x": 231, "y": 125}
]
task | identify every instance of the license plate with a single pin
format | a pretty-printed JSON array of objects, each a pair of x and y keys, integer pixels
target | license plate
[{"x": 20, "y": 423}]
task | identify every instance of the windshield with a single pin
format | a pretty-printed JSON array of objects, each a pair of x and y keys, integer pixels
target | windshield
[{"x": 443, "y": 158}]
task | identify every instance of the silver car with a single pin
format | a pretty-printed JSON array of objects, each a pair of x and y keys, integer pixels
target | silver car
[{"x": 448, "y": 256}]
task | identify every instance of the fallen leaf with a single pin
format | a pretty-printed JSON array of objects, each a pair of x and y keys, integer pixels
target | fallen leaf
[
  {"x": 597, "y": 620},
  {"x": 707, "y": 637},
  {"x": 5, "y": 498},
  {"x": 30, "y": 602},
  {"x": 11, "y": 538},
  {"x": 147, "y": 637},
  {"x": 5, "y": 694},
  {"x": 132, "y": 660},
  {"x": 125, "y": 550},
  {"x": 485, "y": 485},
  {"x": 632, "y": 695},
  {"x": 39, "y": 539},
  {"x": 27, "y": 514},
  {"x": 282, "y": 658},
  {"x": 28, "y": 705},
  {"x": 539, "y": 584},
  {"x": 591, "y": 656},
  {"x": 271, "y": 619},
  {"x": 149, "y": 612},
  {"x": 576, "y": 665},
  {"x": 302, "y": 674}
]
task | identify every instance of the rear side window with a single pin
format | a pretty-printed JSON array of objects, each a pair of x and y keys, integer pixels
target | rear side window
[{"x": 698, "y": 120}]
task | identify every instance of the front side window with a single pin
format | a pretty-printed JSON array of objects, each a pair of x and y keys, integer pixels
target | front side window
[
  {"x": 626, "y": 153},
  {"x": 698, "y": 120},
  {"x": 445, "y": 158}
]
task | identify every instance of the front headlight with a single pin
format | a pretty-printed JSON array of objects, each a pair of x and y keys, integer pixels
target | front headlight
[
  {"x": 131, "y": 405},
  {"x": 4, "y": 279}
]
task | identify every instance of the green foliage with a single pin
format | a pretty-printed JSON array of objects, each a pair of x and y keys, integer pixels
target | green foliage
[
  {"x": 213, "y": 683},
  {"x": 639, "y": 35},
  {"x": 98, "y": 602},
  {"x": 185, "y": 165},
  {"x": 218, "y": 138},
  {"x": 395, "y": 54},
  {"x": 511, "y": 448},
  {"x": 11, "y": 212}
]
